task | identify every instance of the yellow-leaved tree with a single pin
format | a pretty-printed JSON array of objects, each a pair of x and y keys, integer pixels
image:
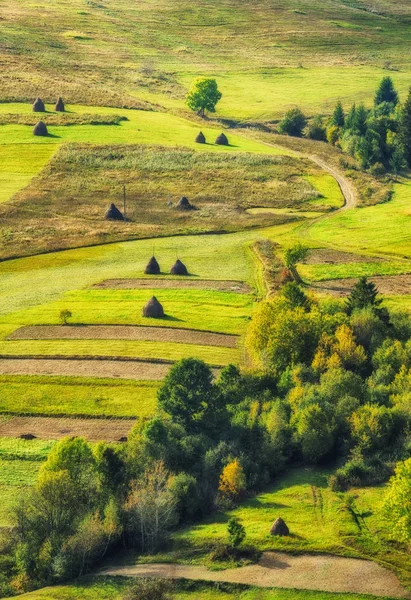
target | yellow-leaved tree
[{"x": 232, "y": 483}]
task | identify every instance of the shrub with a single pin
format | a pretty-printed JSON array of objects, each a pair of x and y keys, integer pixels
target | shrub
[
  {"x": 148, "y": 588},
  {"x": 293, "y": 123},
  {"x": 236, "y": 532}
]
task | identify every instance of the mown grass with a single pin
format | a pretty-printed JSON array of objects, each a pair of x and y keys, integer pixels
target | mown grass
[
  {"x": 45, "y": 395},
  {"x": 323, "y": 272},
  {"x": 114, "y": 588},
  {"x": 326, "y": 185},
  {"x": 72, "y": 194},
  {"x": 224, "y": 312},
  {"x": 320, "y": 521},
  {"x": 20, "y": 462}
]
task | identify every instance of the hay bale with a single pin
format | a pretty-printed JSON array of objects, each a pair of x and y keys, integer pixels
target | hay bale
[
  {"x": 113, "y": 214},
  {"x": 200, "y": 139},
  {"x": 152, "y": 268},
  {"x": 153, "y": 309},
  {"x": 40, "y": 129},
  {"x": 38, "y": 105},
  {"x": 59, "y": 105},
  {"x": 279, "y": 527},
  {"x": 184, "y": 204},
  {"x": 222, "y": 140},
  {"x": 27, "y": 436},
  {"x": 178, "y": 268}
]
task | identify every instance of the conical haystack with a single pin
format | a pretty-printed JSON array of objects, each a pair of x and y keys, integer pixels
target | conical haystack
[
  {"x": 59, "y": 105},
  {"x": 113, "y": 214},
  {"x": 153, "y": 309},
  {"x": 38, "y": 105},
  {"x": 178, "y": 268},
  {"x": 184, "y": 204},
  {"x": 200, "y": 139},
  {"x": 279, "y": 527},
  {"x": 40, "y": 129},
  {"x": 222, "y": 140},
  {"x": 152, "y": 268}
]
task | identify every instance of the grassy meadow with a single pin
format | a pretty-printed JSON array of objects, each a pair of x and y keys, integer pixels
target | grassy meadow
[{"x": 114, "y": 588}]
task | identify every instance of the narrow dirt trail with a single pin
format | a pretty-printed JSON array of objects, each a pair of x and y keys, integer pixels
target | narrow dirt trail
[
  {"x": 277, "y": 569},
  {"x": 347, "y": 190}
]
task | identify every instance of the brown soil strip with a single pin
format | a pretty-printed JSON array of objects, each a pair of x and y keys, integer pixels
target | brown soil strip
[
  {"x": 321, "y": 256},
  {"x": 47, "y": 428},
  {"x": 388, "y": 285},
  {"x": 277, "y": 569},
  {"x": 121, "y": 369},
  {"x": 188, "y": 284},
  {"x": 124, "y": 332}
]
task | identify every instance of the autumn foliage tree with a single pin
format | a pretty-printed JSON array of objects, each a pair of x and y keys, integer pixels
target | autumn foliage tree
[{"x": 232, "y": 483}]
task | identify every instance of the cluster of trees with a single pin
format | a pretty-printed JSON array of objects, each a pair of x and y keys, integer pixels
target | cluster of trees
[
  {"x": 333, "y": 383},
  {"x": 378, "y": 138}
]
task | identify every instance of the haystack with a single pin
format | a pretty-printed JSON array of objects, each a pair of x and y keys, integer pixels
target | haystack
[
  {"x": 279, "y": 527},
  {"x": 40, "y": 129},
  {"x": 184, "y": 204},
  {"x": 113, "y": 214},
  {"x": 200, "y": 139},
  {"x": 59, "y": 105},
  {"x": 153, "y": 309},
  {"x": 38, "y": 106},
  {"x": 178, "y": 268},
  {"x": 222, "y": 140},
  {"x": 152, "y": 268}
]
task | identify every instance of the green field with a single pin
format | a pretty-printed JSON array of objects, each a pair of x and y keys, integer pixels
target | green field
[
  {"x": 113, "y": 588},
  {"x": 45, "y": 395}
]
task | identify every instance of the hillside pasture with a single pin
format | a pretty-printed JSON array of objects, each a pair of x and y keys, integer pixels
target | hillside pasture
[{"x": 65, "y": 206}]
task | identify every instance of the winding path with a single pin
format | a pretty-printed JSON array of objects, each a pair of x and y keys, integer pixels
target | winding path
[
  {"x": 350, "y": 200},
  {"x": 277, "y": 569}
]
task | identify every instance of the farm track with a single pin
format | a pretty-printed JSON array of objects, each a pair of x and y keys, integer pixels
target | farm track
[
  {"x": 55, "y": 428},
  {"x": 278, "y": 569},
  {"x": 347, "y": 190},
  {"x": 124, "y": 332},
  {"x": 116, "y": 369},
  {"x": 238, "y": 287}
]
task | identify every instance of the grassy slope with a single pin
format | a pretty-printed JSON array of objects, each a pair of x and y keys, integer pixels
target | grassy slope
[
  {"x": 319, "y": 521},
  {"x": 106, "y": 588},
  {"x": 255, "y": 49}
]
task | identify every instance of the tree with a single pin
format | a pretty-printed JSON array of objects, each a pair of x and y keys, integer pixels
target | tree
[
  {"x": 372, "y": 428},
  {"x": 294, "y": 255},
  {"x": 313, "y": 433},
  {"x": 360, "y": 120},
  {"x": 65, "y": 315},
  {"x": 232, "y": 482},
  {"x": 293, "y": 123},
  {"x": 404, "y": 130},
  {"x": 150, "y": 508},
  {"x": 317, "y": 130},
  {"x": 296, "y": 297},
  {"x": 187, "y": 393},
  {"x": 236, "y": 533},
  {"x": 396, "y": 504},
  {"x": 398, "y": 162},
  {"x": 386, "y": 92},
  {"x": 203, "y": 95},
  {"x": 338, "y": 117},
  {"x": 350, "y": 120},
  {"x": 363, "y": 295},
  {"x": 333, "y": 134}
]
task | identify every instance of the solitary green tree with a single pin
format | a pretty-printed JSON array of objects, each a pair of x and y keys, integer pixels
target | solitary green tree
[
  {"x": 203, "y": 95},
  {"x": 65, "y": 315},
  {"x": 365, "y": 294},
  {"x": 386, "y": 92},
  {"x": 338, "y": 118},
  {"x": 236, "y": 532},
  {"x": 405, "y": 128},
  {"x": 293, "y": 123}
]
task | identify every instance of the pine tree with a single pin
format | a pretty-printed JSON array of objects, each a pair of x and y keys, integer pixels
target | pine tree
[
  {"x": 386, "y": 93},
  {"x": 405, "y": 129},
  {"x": 360, "y": 120},
  {"x": 363, "y": 294},
  {"x": 350, "y": 120},
  {"x": 338, "y": 117},
  {"x": 397, "y": 161}
]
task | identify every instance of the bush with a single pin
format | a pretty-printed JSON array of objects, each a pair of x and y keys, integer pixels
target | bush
[
  {"x": 236, "y": 532},
  {"x": 317, "y": 130},
  {"x": 377, "y": 170},
  {"x": 293, "y": 123},
  {"x": 148, "y": 588},
  {"x": 358, "y": 472}
]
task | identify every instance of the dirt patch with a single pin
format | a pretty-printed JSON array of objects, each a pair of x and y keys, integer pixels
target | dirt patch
[
  {"x": 321, "y": 256},
  {"x": 124, "y": 332},
  {"x": 277, "y": 569},
  {"x": 47, "y": 428},
  {"x": 388, "y": 285},
  {"x": 238, "y": 287},
  {"x": 116, "y": 369}
]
